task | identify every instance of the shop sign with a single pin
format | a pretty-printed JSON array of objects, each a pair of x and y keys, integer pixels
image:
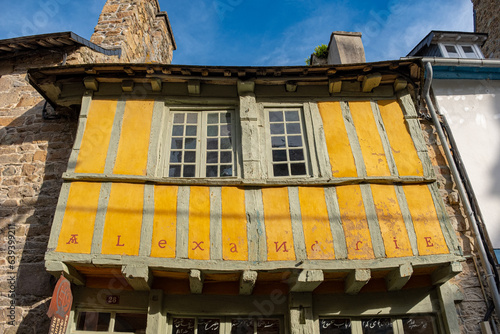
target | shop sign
[{"x": 60, "y": 306}]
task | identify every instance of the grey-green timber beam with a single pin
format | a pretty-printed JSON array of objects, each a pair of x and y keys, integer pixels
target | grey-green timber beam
[
  {"x": 156, "y": 322},
  {"x": 448, "y": 309},
  {"x": 445, "y": 273},
  {"x": 138, "y": 276},
  {"x": 115, "y": 136},
  {"x": 301, "y": 314},
  {"x": 306, "y": 280},
  {"x": 247, "y": 282},
  {"x": 356, "y": 280},
  {"x": 398, "y": 278},
  {"x": 58, "y": 216},
  {"x": 196, "y": 281},
  {"x": 82, "y": 122},
  {"x": 56, "y": 268}
]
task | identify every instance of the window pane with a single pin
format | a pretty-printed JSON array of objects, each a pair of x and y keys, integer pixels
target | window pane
[
  {"x": 213, "y": 157},
  {"x": 280, "y": 170},
  {"x": 190, "y": 143},
  {"x": 189, "y": 171},
  {"x": 293, "y": 128},
  {"x": 225, "y": 143},
  {"x": 212, "y": 171},
  {"x": 226, "y": 157},
  {"x": 377, "y": 326},
  {"x": 176, "y": 143},
  {"x": 225, "y": 130},
  {"x": 242, "y": 326},
  {"x": 208, "y": 326},
  {"x": 275, "y": 116},
  {"x": 177, "y": 130},
  {"x": 190, "y": 156},
  {"x": 131, "y": 322},
  {"x": 93, "y": 321},
  {"x": 418, "y": 325},
  {"x": 226, "y": 170},
  {"x": 335, "y": 326},
  {"x": 175, "y": 156},
  {"x": 212, "y": 143},
  {"x": 183, "y": 326},
  {"x": 296, "y": 155},
  {"x": 292, "y": 116},
  {"x": 212, "y": 130},
  {"x": 192, "y": 118},
  {"x": 277, "y": 129},
  {"x": 279, "y": 155},
  {"x": 298, "y": 169},
  {"x": 268, "y": 326},
  {"x": 278, "y": 142},
  {"x": 294, "y": 141},
  {"x": 212, "y": 118},
  {"x": 225, "y": 118},
  {"x": 174, "y": 171},
  {"x": 191, "y": 130},
  {"x": 450, "y": 49},
  {"x": 179, "y": 118}
]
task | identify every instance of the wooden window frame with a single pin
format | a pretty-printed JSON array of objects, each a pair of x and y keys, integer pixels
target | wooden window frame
[
  {"x": 461, "y": 53},
  {"x": 72, "y": 325},
  {"x": 225, "y": 321}
]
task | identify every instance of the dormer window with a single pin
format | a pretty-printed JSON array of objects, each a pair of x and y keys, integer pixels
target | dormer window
[{"x": 461, "y": 51}]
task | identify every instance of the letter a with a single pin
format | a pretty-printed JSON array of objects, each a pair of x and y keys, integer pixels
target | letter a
[
  {"x": 72, "y": 240},
  {"x": 233, "y": 249}
]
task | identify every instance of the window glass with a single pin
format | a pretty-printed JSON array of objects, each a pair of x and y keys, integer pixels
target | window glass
[
  {"x": 93, "y": 321},
  {"x": 268, "y": 326},
  {"x": 335, "y": 326},
  {"x": 419, "y": 325},
  {"x": 287, "y": 143},
  {"x": 242, "y": 326},
  {"x": 183, "y": 326},
  {"x": 468, "y": 51},
  {"x": 452, "y": 51},
  {"x": 377, "y": 326},
  {"x": 208, "y": 326},
  {"x": 201, "y": 144},
  {"x": 131, "y": 323}
]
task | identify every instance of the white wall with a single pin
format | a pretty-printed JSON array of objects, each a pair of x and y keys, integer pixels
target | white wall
[{"x": 472, "y": 107}]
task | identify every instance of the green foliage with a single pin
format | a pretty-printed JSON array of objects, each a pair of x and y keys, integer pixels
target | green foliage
[{"x": 321, "y": 51}]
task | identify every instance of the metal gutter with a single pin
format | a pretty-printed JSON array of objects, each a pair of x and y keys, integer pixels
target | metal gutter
[
  {"x": 463, "y": 194},
  {"x": 440, "y": 61}
]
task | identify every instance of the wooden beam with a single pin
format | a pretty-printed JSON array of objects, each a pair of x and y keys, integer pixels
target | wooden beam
[
  {"x": 306, "y": 280},
  {"x": 138, "y": 276},
  {"x": 371, "y": 81},
  {"x": 57, "y": 267},
  {"x": 247, "y": 282},
  {"x": 356, "y": 280},
  {"x": 443, "y": 274},
  {"x": 334, "y": 86},
  {"x": 127, "y": 85},
  {"x": 245, "y": 87},
  {"x": 196, "y": 281},
  {"x": 291, "y": 86},
  {"x": 156, "y": 84},
  {"x": 397, "y": 278},
  {"x": 400, "y": 84},
  {"x": 91, "y": 83},
  {"x": 194, "y": 87}
]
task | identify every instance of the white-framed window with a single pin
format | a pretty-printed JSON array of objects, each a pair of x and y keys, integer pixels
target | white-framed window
[
  {"x": 201, "y": 143},
  {"x": 461, "y": 51},
  {"x": 410, "y": 324},
  {"x": 287, "y": 146},
  {"x": 90, "y": 321},
  {"x": 224, "y": 325}
]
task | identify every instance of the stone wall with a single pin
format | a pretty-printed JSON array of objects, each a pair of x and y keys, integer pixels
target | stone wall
[
  {"x": 138, "y": 28},
  {"x": 488, "y": 21},
  {"x": 472, "y": 309}
]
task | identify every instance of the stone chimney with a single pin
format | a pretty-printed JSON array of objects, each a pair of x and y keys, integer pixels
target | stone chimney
[
  {"x": 345, "y": 48},
  {"x": 137, "y": 27}
]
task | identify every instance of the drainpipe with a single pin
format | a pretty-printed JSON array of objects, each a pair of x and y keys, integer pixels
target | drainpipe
[{"x": 463, "y": 194}]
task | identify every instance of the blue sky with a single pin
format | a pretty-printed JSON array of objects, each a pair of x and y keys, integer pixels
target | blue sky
[{"x": 258, "y": 32}]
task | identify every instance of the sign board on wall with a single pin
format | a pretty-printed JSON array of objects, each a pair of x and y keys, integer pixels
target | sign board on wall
[{"x": 60, "y": 306}]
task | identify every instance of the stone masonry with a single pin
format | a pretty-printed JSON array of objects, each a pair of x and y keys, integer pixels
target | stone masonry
[
  {"x": 488, "y": 21},
  {"x": 34, "y": 151}
]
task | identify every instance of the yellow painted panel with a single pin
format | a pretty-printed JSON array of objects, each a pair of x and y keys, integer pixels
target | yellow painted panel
[
  {"x": 278, "y": 224},
  {"x": 95, "y": 143},
  {"x": 199, "y": 223},
  {"x": 430, "y": 239},
  {"x": 132, "y": 156},
  {"x": 337, "y": 142},
  {"x": 79, "y": 218},
  {"x": 402, "y": 146},
  {"x": 164, "y": 222},
  {"x": 353, "y": 216},
  {"x": 392, "y": 225},
  {"x": 369, "y": 139},
  {"x": 122, "y": 227},
  {"x": 317, "y": 232},
  {"x": 234, "y": 224}
]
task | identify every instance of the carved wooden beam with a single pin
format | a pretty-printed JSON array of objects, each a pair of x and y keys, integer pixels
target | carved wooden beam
[
  {"x": 443, "y": 274},
  {"x": 247, "y": 282},
  {"x": 196, "y": 281},
  {"x": 356, "y": 280},
  {"x": 371, "y": 81},
  {"x": 57, "y": 267},
  {"x": 138, "y": 276},
  {"x": 306, "y": 280},
  {"x": 91, "y": 83},
  {"x": 397, "y": 278}
]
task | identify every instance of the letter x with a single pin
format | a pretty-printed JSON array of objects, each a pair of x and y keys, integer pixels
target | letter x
[{"x": 198, "y": 245}]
